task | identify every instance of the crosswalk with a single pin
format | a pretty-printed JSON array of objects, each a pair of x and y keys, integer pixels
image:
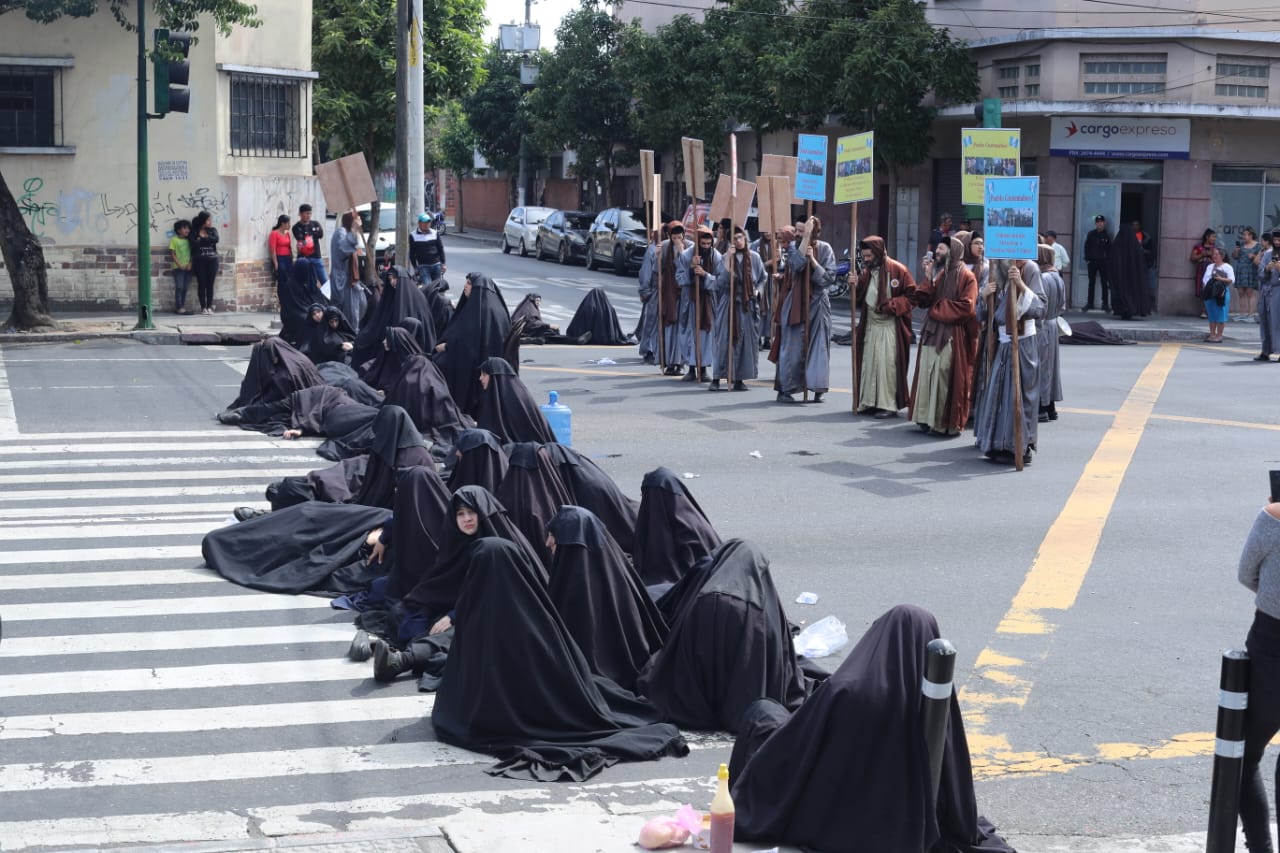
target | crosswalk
[
  {"x": 557, "y": 290},
  {"x": 143, "y": 699}
]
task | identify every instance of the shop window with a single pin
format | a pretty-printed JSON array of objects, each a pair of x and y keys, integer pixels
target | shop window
[
  {"x": 1137, "y": 74},
  {"x": 1243, "y": 196},
  {"x": 268, "y": 116},
  {"x": 30, "y": 106}
]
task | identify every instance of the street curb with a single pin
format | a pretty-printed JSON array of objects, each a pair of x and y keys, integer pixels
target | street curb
[
  {"x": 237, "y": 337},
  {"x": 491, "y": 242}
]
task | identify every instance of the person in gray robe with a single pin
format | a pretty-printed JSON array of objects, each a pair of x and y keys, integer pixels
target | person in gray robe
[
  {"x": 800, "y": 367},
  {"x": 1269, "y": 299},
  {"x": 994, "y": 420},
  {"x": 694, "y": 267},
  {"x": 647, "y": 327},
  {"x": 1055, "y": 297},
  {"x": 745, "y": 270},
  {"x": 775, "y": 272},
  {"x": 347, "y": 293}
]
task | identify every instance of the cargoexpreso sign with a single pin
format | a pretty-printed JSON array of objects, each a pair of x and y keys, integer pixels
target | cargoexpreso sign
[{"x": 1120, "y": 137}]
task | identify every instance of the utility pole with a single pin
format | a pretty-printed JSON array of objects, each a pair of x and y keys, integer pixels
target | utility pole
[
  {"x": 523, "y": 179},
  {"x": 144, "y": 191},
  {"x": 402, "y": 130},
  {"x": 417, "y": 116}
]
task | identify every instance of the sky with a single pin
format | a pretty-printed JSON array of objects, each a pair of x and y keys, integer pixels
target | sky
[{"x": 546, "y": 13}]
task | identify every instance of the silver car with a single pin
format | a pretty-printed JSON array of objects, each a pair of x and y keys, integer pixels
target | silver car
[{"x": 520, "y": 231}]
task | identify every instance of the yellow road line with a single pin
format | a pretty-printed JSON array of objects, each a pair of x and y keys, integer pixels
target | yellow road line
[
  {"x": 1055, "y": 577},
  {"x": 1187, "y": 419}
]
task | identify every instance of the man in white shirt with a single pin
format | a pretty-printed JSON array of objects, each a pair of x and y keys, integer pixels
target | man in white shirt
[{"x": 1061, "y": 260}]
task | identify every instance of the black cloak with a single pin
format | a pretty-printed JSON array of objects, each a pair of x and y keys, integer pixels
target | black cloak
[
  {"x": 528, "y": 310},
  {"x": 481, "y": 461},
  {"x": 517, "y": 686},
  {"x": 322, "y": 343},
  {"x": 672, "y": 531},
  {"x": 600, "y": 598},
  {"x": 309, "y": 547},
  {"x": 423, "y": 332},
  {"x": 590, "y": 487},
  {"x": 295, "y": 309},
  {"x": 479, "y": 326},
  {"x": 275, "y": 371},
  {"x": 311, "y": 337},
  {"x": 729, "y": 645},
  {"x": 384, "y": 369},
  {"x": 534, "y": 491},
  {"x": 506, "y": 408},
  {"x": 1127, "y": 268},
  {"x": 436, "y": 593},
  {"x": 400, "y": 298},
  {"x": 849, "y": 770},
  {"x": 422, "y": 392},
  {"x": 596, "y": 315},
  {"x": 420, "y": 515},
  {"x": 441, "y": 307},
  {"x": 344, "y": 376}
]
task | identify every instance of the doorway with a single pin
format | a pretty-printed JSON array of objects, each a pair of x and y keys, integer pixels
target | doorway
[{"x": 1122, "y": 191}]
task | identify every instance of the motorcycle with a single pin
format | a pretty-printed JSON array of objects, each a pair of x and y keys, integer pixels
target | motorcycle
[{"x": 841, "y": 286}]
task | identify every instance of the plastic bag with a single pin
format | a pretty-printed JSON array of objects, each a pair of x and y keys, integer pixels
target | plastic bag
[
  {"x": 663, "y": 832},
  {"x": 824, "y": 637}
]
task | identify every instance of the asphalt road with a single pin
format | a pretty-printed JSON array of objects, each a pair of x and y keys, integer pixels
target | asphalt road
[{"x": 1089, "y": 596}]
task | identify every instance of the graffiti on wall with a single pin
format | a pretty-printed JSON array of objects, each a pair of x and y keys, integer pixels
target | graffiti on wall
[
  {"x": 39, "y": 214},
  {"x": 87, "y": 213}
]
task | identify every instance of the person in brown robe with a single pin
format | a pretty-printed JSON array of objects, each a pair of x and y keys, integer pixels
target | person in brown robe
[
  {"x": 941, "y": 405},
  {"x": 893, "y": 290}
]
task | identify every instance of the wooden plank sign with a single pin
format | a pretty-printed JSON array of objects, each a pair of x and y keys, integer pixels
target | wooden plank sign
[
  {"x": 655, "y": 197},
  {"x": 725, "y": 205},
  {"x": 781, "y": 164},
  {"x": 646, "y": 172},
  {"x": 695, "y": 168},
  {"x": 346, "y": 183},
  {"x": 775, "y": 203}
]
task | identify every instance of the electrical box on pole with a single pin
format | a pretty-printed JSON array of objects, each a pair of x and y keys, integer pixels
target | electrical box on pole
[{"x": 173, "y": 72}]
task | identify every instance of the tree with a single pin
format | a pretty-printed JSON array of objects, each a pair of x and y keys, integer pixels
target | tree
[
  {"x": 498, "y": 115},
  {"x": 457, "y": 146},
  {"x": 23, "y": 255},
  {"x": 581, "y": 101}
]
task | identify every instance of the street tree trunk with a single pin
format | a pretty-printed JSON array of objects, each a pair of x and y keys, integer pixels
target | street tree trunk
[
  {"x": 24, "y": 261},
  {"x": 891, "y": 227}
]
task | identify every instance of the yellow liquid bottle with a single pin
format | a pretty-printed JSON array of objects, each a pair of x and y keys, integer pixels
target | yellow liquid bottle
[{"x": 722, "y": 814}]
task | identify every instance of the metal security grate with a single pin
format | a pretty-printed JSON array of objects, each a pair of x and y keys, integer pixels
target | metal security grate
[
  {"x": 30, "y": 114},
  {"x": 268, "y": 116}
]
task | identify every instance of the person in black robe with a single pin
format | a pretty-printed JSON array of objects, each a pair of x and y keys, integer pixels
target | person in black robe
[
  {"x": 400, "y": 299},
  {"x": 477, "y": 331},
  {"x": 534, "y": 491},
  {"x": 591, "y": 488},
  {"x": 672, "y": 531},
  {"x": 729, "y": 645},
  {"x": 441, "y": 307},
  {"x": 296, "y": 306},
  {"x": 344, "y": 376},
  {"x": 530, "y": 310},
  {"x": 506, "y": 408},
  {"x": 398, "y": 343},
  {"x": 422, "y": 392},
  {"x": 517, "y": 686},
  {"x": 396, "y": 443},
  {"x": 1127, "y": 268},
  {"x": 276, "y": 369},
  {"x": 323, "y": 410},
  {"x": 849, "y": 770},
  {"x": 596, "y": 322},
  {"x": 481, "y": 461},
  {"x": 600, "y": 597},
  {"x": 331, "y": 338},
  {"x": 423, "y": 332}
]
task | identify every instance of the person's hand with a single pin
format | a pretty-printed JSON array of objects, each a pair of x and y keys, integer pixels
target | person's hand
[
  {"x": 851, "y": 278},
  {"x": 291, "y": 434},
  {"x": 444, "y": 624},
  {"x": 440, "y": 347},
  {"x": 988, "y": 289},
  {"x": 377, "y": 550},
  {"x": 374, "y": 537},
  {"x": 443, "y": 269},
  {"x": 347, "y": 346}
]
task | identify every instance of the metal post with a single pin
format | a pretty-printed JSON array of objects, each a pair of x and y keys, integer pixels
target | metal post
[
  {"x": 144, "y": 170},
  {"x": 1228, "y": 753},
  {"x": 416, "y": 118},
  {"x": 939, "y": 667},
  {"x": 403, "y": 177}
]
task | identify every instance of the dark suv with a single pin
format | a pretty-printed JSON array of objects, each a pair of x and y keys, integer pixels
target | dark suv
[{"x": 617, "y": 237}]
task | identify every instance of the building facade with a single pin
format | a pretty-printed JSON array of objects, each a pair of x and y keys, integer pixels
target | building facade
[{"x": 68, "y": 151}]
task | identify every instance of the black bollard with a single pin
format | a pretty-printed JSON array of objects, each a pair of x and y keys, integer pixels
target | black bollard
[
  {"x": 939, "y": 667},
  {"x": 1228, "y": 752}
]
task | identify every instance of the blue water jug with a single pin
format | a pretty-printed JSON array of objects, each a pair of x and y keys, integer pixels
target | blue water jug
[{"x": 560, "y": 418}]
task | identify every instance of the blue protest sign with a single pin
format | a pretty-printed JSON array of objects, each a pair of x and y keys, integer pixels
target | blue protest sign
[
  {"x": 1012, "y": 217},
  {"x": 811, "y": 167}
]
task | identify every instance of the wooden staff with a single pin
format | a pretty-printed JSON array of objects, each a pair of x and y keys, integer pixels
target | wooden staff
[
  {"x": 808, "y": 268},
  {"x": 733, "y": 309},
  {"x": 657, "y": 293},
  {"x": 775, "y": 321},
  {"x": 1012, "y": 291},
  {"x": 697, "y": 298},
  {"x": 853, "y": 303}
]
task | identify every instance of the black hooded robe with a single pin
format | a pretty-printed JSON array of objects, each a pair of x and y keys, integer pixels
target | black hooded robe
[
  {"x": 1127, "y": 268},
  {"x": 590, "y": 487},
  {"x": 422, "y": 392},
  {"x": 476, "y": 332},
  {"x": 672, "y": 531},
  {"x": 534, "y": 491},
  {"x": 595, "y": 315},
  {"x": 506, "y": 408},
  {"x": 276, "y": 369},
  {"x": 481, "y": 461},
  {"x": 399, "y": 300}
]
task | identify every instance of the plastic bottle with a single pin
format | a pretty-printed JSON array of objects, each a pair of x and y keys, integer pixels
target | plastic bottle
[
  {"x": 560, "y": 419},
  {"x": 722, "y": 814}
]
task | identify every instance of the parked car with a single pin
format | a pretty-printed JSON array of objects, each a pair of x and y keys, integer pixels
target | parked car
[
  {"x": 563, "y": 235},
  {"x": 617, "y": 236},
  {"x": 385, "y": 246},
  {"x": 521, "y": 228}
]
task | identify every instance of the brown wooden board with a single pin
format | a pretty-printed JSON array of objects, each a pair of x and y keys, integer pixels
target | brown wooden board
[
  {"x": 695, "y": 168},
  {"x": 646, "y": 173},
  {"x": 724, "y": 203},
  {"x": 775, "y": 203},
  {"x": 781, "y": 164},
  {"x": 346, "y": 183}
]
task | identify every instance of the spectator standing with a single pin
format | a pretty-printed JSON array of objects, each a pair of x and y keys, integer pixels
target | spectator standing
[
  {"x": 1216, "y": 308},
  {"x": 1259, "y": 570},
  {"x": 280, "y": 248},
  {"x": 1200, "y": 257},
  {"x": 180, "y": 254},
  {"x": 1147, "y": 241},
  {"x": 1245, "y": 258},
  {"x": 1269, "y": 298},
  {"x": 1097, "y": 251},
  {"x": 204, "y": 250},
  {"x": 426, "y": 250},
  {"x": 942, "y": 233},
  {"x": 344, "y": 285},
  {"x": 1061, "y": 260},
  {"x": 308, "y": 234}
]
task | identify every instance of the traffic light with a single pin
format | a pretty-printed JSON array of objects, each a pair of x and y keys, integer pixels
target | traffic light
[{"x": 173, "y": 72}]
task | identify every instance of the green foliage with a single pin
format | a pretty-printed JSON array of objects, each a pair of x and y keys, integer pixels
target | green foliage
[
  {"x": 453, "y": 46},
  {"x": 496, "y": 111},
  {"x": 457, "y": 142},
  {"x": 171, "y": 14}
]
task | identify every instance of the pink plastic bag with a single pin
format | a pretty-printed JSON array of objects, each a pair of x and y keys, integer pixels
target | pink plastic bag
[{"x": 663, "y": 832}]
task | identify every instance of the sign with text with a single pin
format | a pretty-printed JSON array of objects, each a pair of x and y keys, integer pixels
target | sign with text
[
  {"x": 811, "y": 167},
  {"x": 346, "y": 183},
  {"x": 646, "y": 172},
  {"x": 775, "y": 202},
  {"x": 987, "y": 153},
  {"x": 1012, "y": 213},
  {"x": 726, "y": 205},
  {"x": 1120, "y": 137},
  {"x": 695, "y": 167},
  {"x": 855, "y": 176}
]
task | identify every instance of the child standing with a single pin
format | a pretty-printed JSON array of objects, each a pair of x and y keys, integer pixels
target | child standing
[{"x": 180, "y": 254}]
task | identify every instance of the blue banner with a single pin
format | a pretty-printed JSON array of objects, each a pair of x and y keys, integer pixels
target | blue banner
[
  {"x": 811, "y": 167},
  {"x": 1012, "y": 209}
]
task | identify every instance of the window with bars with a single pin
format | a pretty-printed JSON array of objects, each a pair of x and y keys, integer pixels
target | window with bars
[
  {"x": 268, "y": 116},
  {"x": 30, "y": 109},
  {"x": 1242, "y": 78},
  {"x": 1110, "y": 74}
]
